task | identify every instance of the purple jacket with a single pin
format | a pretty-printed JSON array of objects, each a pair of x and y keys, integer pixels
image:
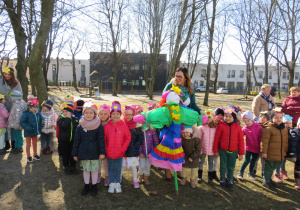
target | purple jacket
[
  {"x": 152, "y": 142},
  {"x": 253, "y": 137},
  {"x": 3, "y": 116}
]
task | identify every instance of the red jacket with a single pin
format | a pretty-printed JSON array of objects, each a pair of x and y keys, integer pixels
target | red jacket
[
  {"x": 229, "y": 138},
  {"x": 291, "y": 106},
  {"x": 117, "y": 139}
]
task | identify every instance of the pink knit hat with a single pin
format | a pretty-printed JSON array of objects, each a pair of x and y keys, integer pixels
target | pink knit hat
[
  {"x": 115, "y": 107},
  {"x": 89, "y": 105},
  {"x": 138, "y": 108},
  {"x": 104, "y": 107},
  {"x": 130, "y": 107}
]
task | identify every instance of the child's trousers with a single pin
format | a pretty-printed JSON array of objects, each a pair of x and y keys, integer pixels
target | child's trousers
[
  {"x": 65, "y": 148},
  {"x": 262, "y": 161},
  {"x": 28, "y": 145},
  {"x": 227, "y": 161},
  {"x": 212, "y": 162},
  {"x": 46, "y": 138},
  {"x": 194, "y": 172},
  {"x": 145, "y": 166},
  {"x": 270, "y": 166},
  {"x": 2, "y": 140},
  {"x": 250, "y": 157},
  {"x": 18, "y": 138},
  {"x": 114, "y": 169},
  {"x": 281, "y": 166}
]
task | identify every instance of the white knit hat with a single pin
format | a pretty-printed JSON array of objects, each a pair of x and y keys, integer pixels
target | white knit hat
[
  {"x": 188, "y": 129},
  {"x": 247, "y": 115}
]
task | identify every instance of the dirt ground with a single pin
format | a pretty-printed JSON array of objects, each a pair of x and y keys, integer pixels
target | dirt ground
[{"x": 43, "y": 185}]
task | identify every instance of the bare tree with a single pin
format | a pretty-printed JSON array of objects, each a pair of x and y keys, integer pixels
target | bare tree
[
  {"x": 288, "y": 40},
  {"x": 211, "y": 26},
  {"x": 188, "y": 17}
]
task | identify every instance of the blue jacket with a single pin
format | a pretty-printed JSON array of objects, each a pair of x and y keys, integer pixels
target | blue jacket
[
  {"x": 90, "y": 144},
  {"x": 31, "y": 123},
  {"x": 78, "y": 114},
  {"x": 294, "y": 143}
]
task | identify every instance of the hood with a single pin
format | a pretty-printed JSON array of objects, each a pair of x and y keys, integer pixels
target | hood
[
  {"x": 295, "y": 131},
  {"x": 121, "y": 122}
]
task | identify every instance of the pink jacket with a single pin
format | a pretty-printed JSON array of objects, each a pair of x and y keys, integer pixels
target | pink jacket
[
  {"x": 207, "y": 136},
  {"x": 253, "y": 137},
  {"x": 3, "y": 116}
]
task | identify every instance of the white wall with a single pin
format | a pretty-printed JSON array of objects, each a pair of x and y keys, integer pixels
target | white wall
[
  {"x": 259, "y": 72},
  {"x": 65, "y": 69}
]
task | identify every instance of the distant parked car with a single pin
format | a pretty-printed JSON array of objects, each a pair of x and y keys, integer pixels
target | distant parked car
[
  {"x": 203, "y": 89},
  {"x": 222, "y": 90}
]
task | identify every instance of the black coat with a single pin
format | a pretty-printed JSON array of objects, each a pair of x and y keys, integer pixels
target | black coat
[
  {"x": 137, "y": 139},
  {"x": 67, "y": 128},
  {"x": 90, "y": 144},
  {"x": 294, "y": 143}
]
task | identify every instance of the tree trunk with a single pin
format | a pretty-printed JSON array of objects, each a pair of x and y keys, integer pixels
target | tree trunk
[
  {"x": 255, "y": 80},
  {"x": 57, "y": 71},
  {"x": 216, "y": 78},
  {"x": 114, "y": 85},
  {"x": 154, "y": 61},
  {"x": 292, "y": 75},
  {"x": 248, "y": 75},
  {"x": 211, "y": 37},
  {"x": 74, "y": 74},
  {"x": 35, "y": 64},
  {"x": 266, "y": 58},
  {"x": 278, "y": 79}
]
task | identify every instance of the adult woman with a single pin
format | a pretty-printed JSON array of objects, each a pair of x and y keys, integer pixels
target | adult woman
[
  {"x": 183, "y": 81},
  {"x": 8, "y": 83},
  {"x": 291, "y": 105}
]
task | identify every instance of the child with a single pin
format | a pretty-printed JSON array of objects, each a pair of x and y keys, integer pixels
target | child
[
  {"x": 274, "y": 146},
  {"x": 192, "y": 150},
  {"x": 264, "y": 119},
  {"x": 49, "y": 119},
  {"x": 150, "y": 142},
  {"x": 117, "y": 140},
  {"x": 151, "y": 105},
  {"x": 104, "y": 118},
  {"x": 280, "y": 172},
  {"x": 78, "y": 105},
  {"x": 252, "y": 130},
  {"x": 131, "y": 158},
  {"x": 67, "y": 123},
  {"x": 219, "y": 115},
  {"x": 31, "y": 122},
  {"x": 14, "y": 120},
  {"x": 207, "y": 132},
  {"x": 294, "y": 148},
  {"x": 89, "y": 146},
  {"x": 228, "y": 143},
  {"x": 138, "y": 109},
  {"x": 3, "y": 123}
]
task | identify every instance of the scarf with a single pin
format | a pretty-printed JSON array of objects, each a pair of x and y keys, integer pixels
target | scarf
[
  {"x": 89, "y": 125},
  {"x": 267, "y": 98},
  {"x": 184, "y": 93},
  {"x": 131, "y": 124},
  {"x": 280, "y": 127}
]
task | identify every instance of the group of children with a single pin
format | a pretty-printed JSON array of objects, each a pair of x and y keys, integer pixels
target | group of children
[{"x": 97, "y": 137}]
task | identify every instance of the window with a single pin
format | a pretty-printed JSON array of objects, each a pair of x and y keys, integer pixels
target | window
[
  {"x": 11, "y": 65},
  {"x": 296, "y": 75},
  {"x": 230, "y": 85},
  {"x": 135, "y": 67},
  {"x": 221, "y": 84},
  {"x": 201, "y": 83},
  {"x": 232, "y": 73},
  {"x": 203, "y": 73},
  {"x": 242, "y": 73},
  {"x": 270, "y": 75},
  {"x": 143, "y": 83},
  {"x": 260, "y": 74},
  {"x": 136, "y": 82},
  {"x": 82, "y": 70},
  {"x": 124, "y": 82},
  {"x": 228, "y": 74},
  {"x": 283, "y": 75},
  {"x": 54, "y": 71},
  {"x": 240, "y": 85},
  {"x": 124, "y": 67}
]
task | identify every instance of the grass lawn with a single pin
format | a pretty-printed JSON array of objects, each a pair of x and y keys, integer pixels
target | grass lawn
[{"x": 43, "y": 185}]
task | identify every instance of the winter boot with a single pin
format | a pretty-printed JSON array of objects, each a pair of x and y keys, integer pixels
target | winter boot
[
  {"x": 7, "y": 145},
  {"x": 44, "y": 151},
  {"x": 222, "y": 183},
  {"x": 141, "y": 177},
  {"x": 200, "y": 176},
  {"x": 67, "y": 170},
  {"x": 86, "y": 189},
  {"x": 74, "y": 170},
  {"x": 283, "y": 175},
  {"x": 193, "y": 184},
  {"x": 269, "y": 184},
  {"x": 183, "y": 181},
  {"x": 2, "y": 151},
  {"x": 106, "y": 181},
  {"x": 146, "y": 180},
  {"x": 210, "y": 177},
  {"x": 49, "y": 151},
  {"x": 215, "y": 177},
  {"x": 94, "y": 190},
  {"x": 12, "y": 144},
  {"x": 277, "y": 178},
  {"x": 297, "y": 179}
]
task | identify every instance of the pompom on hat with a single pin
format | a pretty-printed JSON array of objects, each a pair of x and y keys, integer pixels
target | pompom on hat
[
  {"x": 69, "y": 98},
  {"x": 16, "y": 95},
  {"x": 247, "y": 115},
  {"x": 104, "y": 107},
  {"x": 115, "y": 107},
  {"x": 90, "y": 105}
]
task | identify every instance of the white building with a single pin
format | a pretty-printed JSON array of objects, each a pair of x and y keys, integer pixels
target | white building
[
  {"x": 234, "y": 76},
  {"x": 65, "y": 72}
]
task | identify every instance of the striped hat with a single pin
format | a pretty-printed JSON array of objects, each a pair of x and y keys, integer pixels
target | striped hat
[{"x": 16, "y": 95}]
